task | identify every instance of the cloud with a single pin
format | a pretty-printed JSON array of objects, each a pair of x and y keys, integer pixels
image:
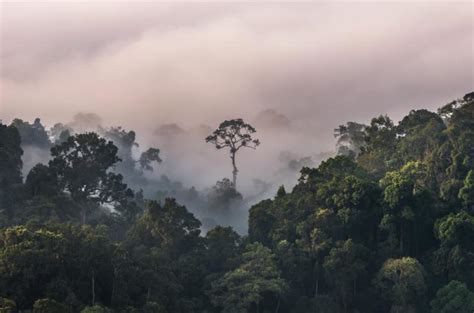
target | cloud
[{"x": 144, "y": 64}]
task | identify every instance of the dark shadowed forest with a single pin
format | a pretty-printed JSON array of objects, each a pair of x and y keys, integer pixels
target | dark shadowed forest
[{"x": 383, "y": 224}]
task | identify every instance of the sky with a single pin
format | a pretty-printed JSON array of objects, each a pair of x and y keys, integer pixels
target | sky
[{"x": 320, "y": 64}]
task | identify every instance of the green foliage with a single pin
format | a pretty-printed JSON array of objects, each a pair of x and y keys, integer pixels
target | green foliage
[
  {"x": 453, "y": 298},
  {"x": 456, "y": 229},
  {"x": 419, "y": 133},
  {"x": 381, "y": 140},
  {"x": 223, "y": 249},
  {"x": 168, "y": 225},
  {"x": 261, "y": 221},
  {"x": 402, "y": 283},
  {"x": 466, "y": 193},
  {"x": 10, "y": 155},
  {"x": 455, "y": 256},
  {"x": 245, "y": 286},
  {"x": 28, "y": 260},
  {"x": 10, "y": 169},
  {"x": 41, "y": 182},
  {"x": 95, "y": 309},
  {"x": 81, "y": 166},
  {"x": 153, "y": 307},
  {"x": 385, "y": 226},
  {"x": 7, "y": 305},
  {"x": 49, "y": 306},
  {"x": 167, "y": 262},
  {"x": 407, "y": 214},
  {"x": 343, "y": 266}
]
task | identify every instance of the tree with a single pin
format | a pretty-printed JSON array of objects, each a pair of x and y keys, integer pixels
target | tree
[
  {"x": 344, "y": 265},
  {"x": 28, "y": 262},
  {"x": 32, "y": 134},
  {"x": 314, "y": 238},
  {"x": 261, "y": 221},
  {"x": 350, "y": 138},
  {"x": 167, "y": 226},
  {"x": 402, "y": 283},
  {"x": 60, "y": 133},
  {"x": 81, "y": 165},
  {"x": 233, "y": 134},
  {"x": 223, "y": 196},
  {"x": 245, "y": 286},
  {"x": 153, "y": 307},
  {"x": 49, "y": 306},
  {"x": 167, "y": 249},
  {"x": 96, "y": 309},
  {"x": 455, "y": 256},
  {"x": 59, "y": 261},
  {"x": 419, "y": 133},
  {"x": 466, "y": 194},
  {"x": 147, "y": 157},
  {"x": 10, "y": 155},
  {"x": 407, "y": 206},
  {"x": 7, "y": 305},
  {"x": 381, "y": 140},
  {"x": 125, "y": 142},
  {"x": 453, "y": 298},
  {"x": 10, "y": 165},
  {"x": 223, "y": 249},
  {"x": 41, "y": 181}
]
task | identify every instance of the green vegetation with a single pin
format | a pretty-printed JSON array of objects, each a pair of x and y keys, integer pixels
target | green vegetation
[{"x": 385, "y": 226}]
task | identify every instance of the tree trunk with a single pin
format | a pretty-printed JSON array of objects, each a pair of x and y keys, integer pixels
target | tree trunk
[
  {"x": 114, "y": 282},
  {"x": 316, "y": 289},
  {"x": 112, "y": 294},
  {"x": 93, "y": 288},
  {"x": 278, "y": 305},
  {"x": 83, "y": 213},
  {"x": 316, "y": 275},
  {"x": 401, "y": 237},
  {"x": 234, "y": 171},
  {"x": 344, "y": 303}
]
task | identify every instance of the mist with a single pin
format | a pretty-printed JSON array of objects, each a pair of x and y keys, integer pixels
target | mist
[{"x": 173, "y": 72}]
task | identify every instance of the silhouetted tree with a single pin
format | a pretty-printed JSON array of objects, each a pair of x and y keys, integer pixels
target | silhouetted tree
[
  {"x": 233, "y": 134},
  {"x": 32, "y": 134},
  {"x": 10, "y": 165},
  {"x": 81, "y": 165},
  {"x": 149, "y": 156},
  {"x": 350, "y": 138}
]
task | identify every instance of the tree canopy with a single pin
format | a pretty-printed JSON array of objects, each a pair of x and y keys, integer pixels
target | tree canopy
[{"x": 386, "y": 225}]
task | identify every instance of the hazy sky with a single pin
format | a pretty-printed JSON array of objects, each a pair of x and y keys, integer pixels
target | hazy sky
[
  {"x": 319, "y": 63},
  {"x": 142, "y": 64}
]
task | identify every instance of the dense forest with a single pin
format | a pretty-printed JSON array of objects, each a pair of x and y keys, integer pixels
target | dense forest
[{"x": 387, "y": 225}]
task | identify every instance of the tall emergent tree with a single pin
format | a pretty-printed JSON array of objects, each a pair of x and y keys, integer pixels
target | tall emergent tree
[{"x": 233, "y": 134}]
